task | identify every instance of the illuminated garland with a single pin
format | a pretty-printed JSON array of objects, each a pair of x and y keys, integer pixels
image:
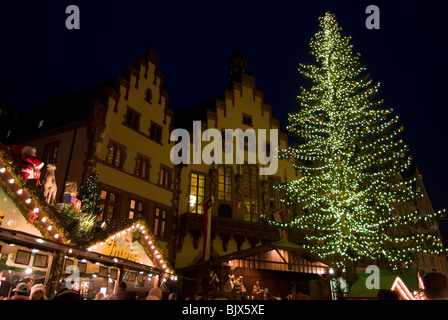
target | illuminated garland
[
  {"x": 141, "y": 234},
  {"x": 51, "y": 227},
  {"x": 29, "y": 200},
  {"x": 356, "y": 204}
]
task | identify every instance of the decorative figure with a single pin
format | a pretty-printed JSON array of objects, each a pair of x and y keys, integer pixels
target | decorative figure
[
  {"x": 210, "y": 283},
  {"x": 238, "y": 288},
  {"x": 70, "y": 195},
  {"x": 235, "y": 288},
  {"x": 258, "y": 291},
  {"x": 49, "y": 186},
  {"x": 30, "y": 164},
  {"x": 228, "y": 288}
]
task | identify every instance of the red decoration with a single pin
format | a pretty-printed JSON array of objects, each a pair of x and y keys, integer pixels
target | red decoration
[
  {"x": 29, "y": 163},
  {"x": 32, "y": 217},
  {"x": 76, "y": 203}
]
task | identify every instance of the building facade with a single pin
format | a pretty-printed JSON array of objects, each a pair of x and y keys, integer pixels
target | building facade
[
  {"x": 242, "y": 197},
  {"x": 121, "y": 129}
]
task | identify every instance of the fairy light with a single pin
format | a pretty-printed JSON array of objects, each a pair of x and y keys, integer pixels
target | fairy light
[
  {"x": 350, "y": 191},
  {"x": 146, "y": 239}
]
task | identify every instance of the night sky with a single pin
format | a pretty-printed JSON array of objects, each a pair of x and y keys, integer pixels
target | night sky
[{"x": 40, "y": 57}]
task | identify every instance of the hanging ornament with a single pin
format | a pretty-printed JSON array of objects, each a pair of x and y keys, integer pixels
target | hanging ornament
[{"x": 32, "y": 216}]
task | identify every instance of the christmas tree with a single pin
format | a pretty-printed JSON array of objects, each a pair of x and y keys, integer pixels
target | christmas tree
[
  {"x": 356, "y": 203},
  {"x": 90, "y": 196}
]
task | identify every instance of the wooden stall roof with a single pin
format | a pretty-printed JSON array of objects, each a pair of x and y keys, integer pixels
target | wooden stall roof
[{"x": 287, "y": 257}]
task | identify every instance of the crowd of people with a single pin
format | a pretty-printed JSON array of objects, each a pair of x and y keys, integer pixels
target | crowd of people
[
  {"x": 29, "y": 291},
  {"x": 435, "y": 288}
]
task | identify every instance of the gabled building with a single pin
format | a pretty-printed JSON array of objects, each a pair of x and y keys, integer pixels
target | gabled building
[
  {"x": 242, "y": 197},
  {"x": 119, "y": 129}
]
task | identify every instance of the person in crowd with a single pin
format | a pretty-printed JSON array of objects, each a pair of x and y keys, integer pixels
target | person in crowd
[
  {"x": 386, "y": 294},
  {"x": 436, "y": 286},
  {"x": 38, "y": 292},
  {"x": 29, "y": 282},
  {"x": 172, "y": 296},
  {"x": 67, "y": 294},
  {"x": 99, "y": 296},
  {"x": 154, "y": 294},
  {"x": 121, "y": 294},
  {"x": 267, "y": 295},
  {"x": 20, "y": 292}
]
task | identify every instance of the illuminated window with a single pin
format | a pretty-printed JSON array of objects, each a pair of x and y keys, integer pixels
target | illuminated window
[
  {"x": 197, "y": 192},
  {"x": 136, "y": 209},
  {"x": 165, "y": 177},
  {"x": 250, "y": 193},
  {"x": 160, "y": 216},
  {"x": 142, "y": 166},
  {"x": 225, "y": 183},
  {"x": 115, "y": 154},
  {"x": 108, "y": 204}
]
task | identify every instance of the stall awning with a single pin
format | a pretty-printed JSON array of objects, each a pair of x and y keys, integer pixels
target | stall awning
[{"x": 28, "y": 240}]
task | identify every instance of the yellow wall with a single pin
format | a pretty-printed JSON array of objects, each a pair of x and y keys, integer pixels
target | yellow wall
[
  {"x": 137, "y": 141},
  {"x": 229, "y": 114}
]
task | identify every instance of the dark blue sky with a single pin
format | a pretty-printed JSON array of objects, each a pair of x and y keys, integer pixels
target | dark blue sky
[{"x": 39, "y": 57}]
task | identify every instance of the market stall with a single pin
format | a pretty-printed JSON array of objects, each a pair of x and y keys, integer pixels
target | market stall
[{"x": 37, "y": 246}]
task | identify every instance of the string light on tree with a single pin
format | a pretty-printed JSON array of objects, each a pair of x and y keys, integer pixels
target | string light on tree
[{"x": 355, "y": 203}]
